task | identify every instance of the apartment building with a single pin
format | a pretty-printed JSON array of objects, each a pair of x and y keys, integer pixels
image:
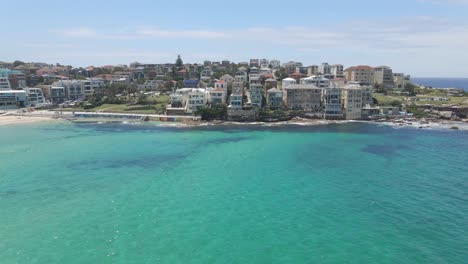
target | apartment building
[
  {"x": 318, "y": 81},
  {"x": 337, "y": 70},
  {"x": 362, "y": 74},
  {"x": 35, "y": 96},
  {"x": 383, "y": 75},
  {"x": 4, "y": 84},
  {"x": 255, "y": 94},
  {"x": 333, "y": 108},
  {"x": 274, "y": 98},
  {"x": 306, "y": 97},
  {"x": 352, "y": 102},
  {"x": 237, "y": 95}
]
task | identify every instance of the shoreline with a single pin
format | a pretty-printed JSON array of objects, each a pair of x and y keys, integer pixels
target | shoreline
[{"x": 14, "y": 118}]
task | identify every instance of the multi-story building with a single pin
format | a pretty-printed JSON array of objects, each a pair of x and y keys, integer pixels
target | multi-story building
[
  {"x": 74, "y": 89},
  {"x": 4, "y": 84},
  {"x": 352, "y": 102},
  {"x": 287, "y": 82},
  {"x": 325, "y": 68},
  {"x": 383, "y": 75},
  {"x": 256, "y": 93},
  {"x": 254, "y": 63},
  {"x": 217, "y": 96},
  {"x": 312, "y": 70},
  {"x": 333, "y": 108},
  {"x": 206, "y": 73},
  {"x": 275, "y": 64},
  {"x": 237, "y": 95},
  {"x": 225, "y": 63},
  {"x": 306, "y": 97},
  {"x": 291, "y": 66},
  {"x": 189, "y": 83},
  {"x": 91, "y": 85},
  {"x": 152, "y": 85},
  {"x": 122, "y": 76},
  {"x": 241, "y": 76},
  {"x": 317, "y": 81},
  {"x": 362, "y": 74},
  {"x": 57, "y": 94},
  {"x": 221, "y": 85},
  {"x": 12, "y": 99},
  {"x": 35, "y": 96},
  {"x": 400, "y": 80},
  {"x": 227, "y": 78},
  {"x": 196, "y": 99},
  {"x": 337, "y": 70},
  {"x": 274, "y": 98}
]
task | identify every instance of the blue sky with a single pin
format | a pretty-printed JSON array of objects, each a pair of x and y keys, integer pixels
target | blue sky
[{"x": 418, "y": 37}]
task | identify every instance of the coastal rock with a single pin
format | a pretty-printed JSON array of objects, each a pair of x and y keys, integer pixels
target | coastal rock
[{"x": 445, "y": 114}]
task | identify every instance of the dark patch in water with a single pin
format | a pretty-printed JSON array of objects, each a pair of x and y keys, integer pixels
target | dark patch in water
[
  {"x": 227, "y": 140},
  {"x": 143, "y": 162},
  {"x": 8, "y": 193},
  {"x": 385, "y": 150}
]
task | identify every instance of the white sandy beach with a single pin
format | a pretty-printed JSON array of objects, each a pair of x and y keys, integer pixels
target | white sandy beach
[{"x": 13, "y": 120}]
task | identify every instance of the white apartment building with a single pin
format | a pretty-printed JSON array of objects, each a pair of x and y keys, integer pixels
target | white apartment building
[
  {"x": 151, "y": 85},
  {"x": 287, "y": 82},
  {"x": 196, "y": 99},
  {"x": 317, "y": 81},
  {"x": 13, "y": 99},
  {"x": 35, "y": 96}
]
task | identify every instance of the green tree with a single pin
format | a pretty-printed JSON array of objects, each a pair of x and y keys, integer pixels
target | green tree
[
  {"x": 179, "y": 62},
  {"x": 17, "y": 63}
]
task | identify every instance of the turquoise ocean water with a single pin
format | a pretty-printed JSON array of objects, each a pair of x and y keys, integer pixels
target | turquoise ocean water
[{"x": 116, "y": 193}]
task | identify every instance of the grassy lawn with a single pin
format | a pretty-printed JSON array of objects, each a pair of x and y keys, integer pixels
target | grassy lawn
[{"x": 154, "y": 106}]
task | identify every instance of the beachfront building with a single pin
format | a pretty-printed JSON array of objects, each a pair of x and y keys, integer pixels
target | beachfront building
[
  {"x": 35, "y": 96},
  {"x": 4, "y": 84},
  {"x": 196, "y": 99},
  {"x": 362, "y": 74},
  {"x": 91, "y": 85},
  {"x": 306, "y": 97},
  {"x": 274, "y": 98},
  {"x": 57, "y": 94},
  {"x": 352, "y": 102},
  {"x": 217, "y": 96},
  {"x": 317, "y": 81},
  {"x": 237, "y": 95},
  {"x": 255, "y": 95},
  {"x": 74, "y": 89},
  {"x": 333, "y": 108},
  {"x": 383, "y": 75},
  {"x": 367, "y": 95},
  {"x": 13, "y": 99}
]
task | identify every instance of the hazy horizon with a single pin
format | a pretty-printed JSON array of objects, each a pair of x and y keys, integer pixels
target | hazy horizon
[{"x": 416, "y": 37}]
